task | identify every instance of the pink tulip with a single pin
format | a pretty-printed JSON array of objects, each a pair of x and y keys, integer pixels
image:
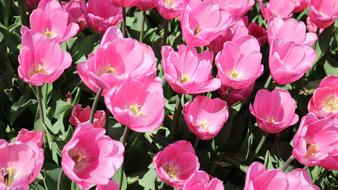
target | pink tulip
[
  {"x": 43, "y": 20},
  {"x": 176, "y": 163},
  {"x": 110, "y": 186},
  {"x": 145, "y": 5},
  {"x": 188, "y": 72},
  {"x": 289, "y": 61},
  {"x": 258, "y": 32},
  {"x": 115, "y": 61},
  {"x": 143, "y": 110},
  {"x": 258, "y": 178},
  {"x": 76, "y": 10},
  {"x": 232, "y": 96},
  {"x": 81, "y": 115},
  {"x": 323, "y": 13},
  {"x": 202, "y": 181},
  {"x": 239, "y": 63},
  {"x": 41, "y": 60},
  {"x": 324, "y": 101},
  {"x": 91, "y": 157},
  {"x": 110, "y": 35},
  {"x": 197, "y": 27},
  {"x": 311, "y": 27},
  {"x": 233, "y": 32},
  {"x": 237, "y": 8},
  {"x": 125, "y": 3},
  {"x": 316, "y": 142},
  {"x": 21, "y": 161},
  {"x": 205, "y": 117},
  {"x": 279, "y": 28},
  {"x": 300, "y": 5},
  {"x": 36, "y": 137},
  {"x": 170, "y": 9},
  {"x": 101, "y": 14},
  {"x": 277, "y": 8},
  {"x": 274, "y": 111}
]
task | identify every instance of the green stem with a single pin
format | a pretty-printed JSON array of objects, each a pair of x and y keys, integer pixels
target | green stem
[
  {"x": 321, "y": 176},
  {"x": 142, "y": 25},
  {"x": 277, "y": 148},
  {"x": 123, "y": 141},
  {"x": 197, "y": 141},
  {"x": 267, "y": 83},
  {"x": 288, "y": 162},
  {"x": 124, "y": 24},
  {"x": 94, "y": 106},
  {"x": 259, "y": 147},
  {"x": 59, "y": 180},
  {"x": 165, "y": 32},
  {"x": 40, "y": 107}
]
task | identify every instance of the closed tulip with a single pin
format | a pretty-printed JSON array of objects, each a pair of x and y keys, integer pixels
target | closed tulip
[
  {"x": 202, "y": 181},
  {"x": 323, "y": 13},
  {"x": 81, "y": 115}
]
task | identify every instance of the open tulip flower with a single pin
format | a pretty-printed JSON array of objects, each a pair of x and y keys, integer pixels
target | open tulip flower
[
  {"x": 115, "y": 61},
  {"x": 239, "y": 63},
  {"x": 205, "y": 117},
  {"x": 258, "y": 178},
  {"x": 274, "y": 111},
  {"x": 316, "y": 142},
  {"x": 176, "y": 163},
  {"x": 91, "y": 157},
  {"x": 137, "y": 104},
  {"x": 323, "y": 13},
  {"x": 202, "y": 181},
  {"x": 21, "y": 161},
  {"x": 188, "y": 72},
  {"x": 324, "y": 101},
  {"x": 41, "y": 61},
  {"x": 197, "y": 27},
  {"x": 43, "y": 20}
]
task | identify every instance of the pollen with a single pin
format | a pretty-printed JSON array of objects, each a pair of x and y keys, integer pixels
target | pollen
[
  {"x": 7, "y": 176},
  {"x": 204, "y": 125},
  {"x": 170, "y": 3},
  {"x": 171, "y": 170},
  {"x": 197, "y": 30},
  {"x": 111, "y": 70},
  {"x": 312, "y": 149},
  {"x": 135, "y": 110},
  {"x": 330, "y": 104},
  {"x": 50, "y": 34},
  {"x": 184, "y": 78},
  {"x": 271, "y": 120},
  {"x": 236, "y": 75}
]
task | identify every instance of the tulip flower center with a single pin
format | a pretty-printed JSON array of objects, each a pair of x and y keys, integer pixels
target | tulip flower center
[
  {"x": 135, "y": 110},
  {"x": 49, "y": 34},
  {"x": 312, "y": 149},
  {"x": 271, "y": 120},
  {"x": 236, "y": 75},
  {"x": 39, "y": 69},
  {"x": 108, "y": 69},
  {"x": 171, "y": 170},
  {"x": 169, "y": 3},
  {"x": 197, "y": 30},
  {"x": 204, "y": 125},
  {"x": 184, "y": 78},
  {"x": 79, "y": 158},
  {"x": 330, "y": 104},
  {"x": 7, "y": 176}
]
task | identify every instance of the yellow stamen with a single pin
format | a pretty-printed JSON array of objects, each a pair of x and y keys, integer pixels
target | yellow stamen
[
  {"x": 235, "y": 75},
  {"x": 171, "y": 171},
  {"x": 50, "y": 34},
  {"x": 170, "y": 3},
  {"x": 330, "y": 104},
  {"x": 7, "y": 176},
  {"x": 135, "y": 110},
  {"x": 111, "y": 70},
  {"x": 271, "y": 120},
  {"x": 204, "y": 125},
  {"x": 312, "y": 149},
  {"x": 184, "y": 78},
  {"x": 197, "y": 30}
]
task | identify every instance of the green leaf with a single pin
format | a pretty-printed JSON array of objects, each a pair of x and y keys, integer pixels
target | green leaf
[
  {"x": 17, "y": 108},
  {"x": 148, "y": 181},
  {"x": 117, "y": 178},
  {"x": 331, "y": 66}
]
